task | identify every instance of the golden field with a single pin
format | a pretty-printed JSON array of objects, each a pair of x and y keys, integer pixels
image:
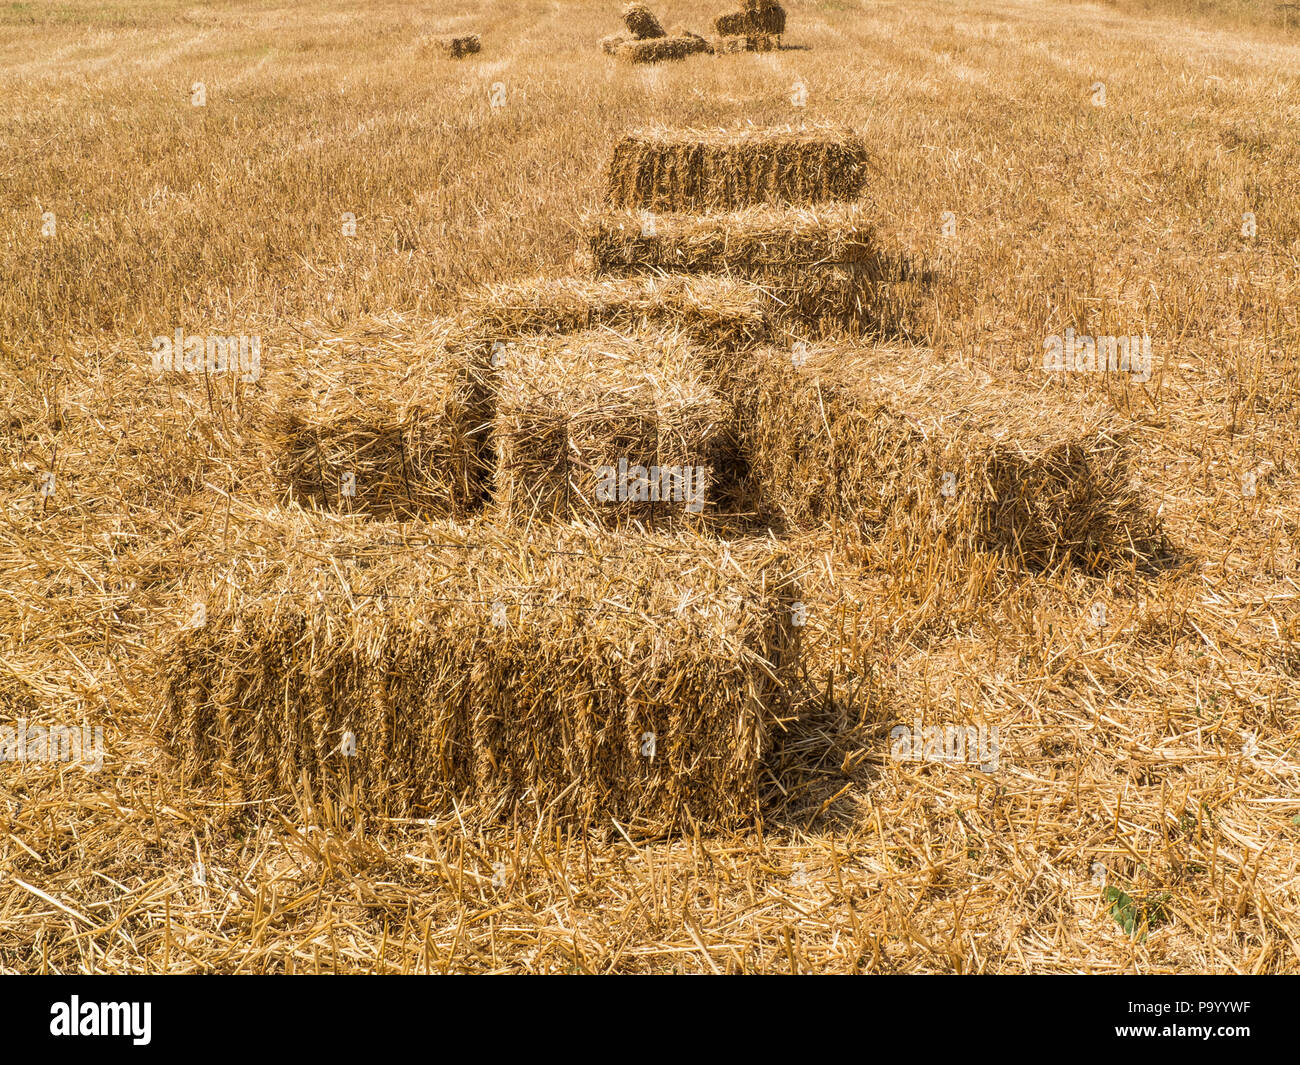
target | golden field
[{"x": 1157, "y": 754}]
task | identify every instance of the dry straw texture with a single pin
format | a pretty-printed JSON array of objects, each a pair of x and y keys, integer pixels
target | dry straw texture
[
  {"x": 569, "y": 409},
  {"x": 909, "y": 450},
  {"x": 383, "y": 429},
  {"x": 658, "y": 49},
  {"x": 757, "y": 18},
  {"x": 1156, "y": 755},
  {"x": 817, "y": 266},
  {"x": 610, "y": 44},
  {"x": 641, "y": 22},
  {"x": 511, "y": 676},
  {"x": 457, "y": 46},
  {"x": 726, "y": 313},
  {"x": 719, "y": 170}
]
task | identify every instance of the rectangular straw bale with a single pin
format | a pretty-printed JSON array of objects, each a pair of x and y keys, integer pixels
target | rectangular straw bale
[
  {"x": 815, "y": 265},
  {"x": 466, "y": 668},
  {"x": 723, "y": 312},
  {"x": 914, "y": 451},
  {"x": 720, "y": 170},
  {"x": 407, "y": 421},
  {"x": 608, "y": 428},
  {"x": 641, "y": 22},
  {"x": 658, "y": 49},
  {"x": 754, "y": 17}
]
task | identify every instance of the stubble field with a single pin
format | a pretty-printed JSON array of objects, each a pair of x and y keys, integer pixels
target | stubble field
[{"x": 1142, "y": 815}]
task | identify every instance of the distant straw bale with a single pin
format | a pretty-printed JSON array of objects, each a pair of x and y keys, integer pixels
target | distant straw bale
[
  {"x": 659, "y": 49},
  {"x": 457, "y": 46},
  {"x": 641, "y": 22},
  {"x": 755, "y": 17},
  {"x": 723, "y": 312},
  {"x": 408, "y": 670},
  {"x": 912, "y": 451},
  {"x": 608, "y": 429},
  {"x": 816, "y": 266},
  {"x": 700, "y": 170}
]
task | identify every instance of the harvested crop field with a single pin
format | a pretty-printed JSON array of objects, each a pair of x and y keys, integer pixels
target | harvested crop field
[{"x": 341, "y": 631}]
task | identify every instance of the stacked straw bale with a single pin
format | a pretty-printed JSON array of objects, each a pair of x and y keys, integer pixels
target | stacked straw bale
[
  {"x": 816, "y": 266},
  {"x": 402, "y": 669},
  {"x": 641, "y": 23},
  {"x": 701, "y": 170},
  {"x": 755, "y": 17},
  {"x": 572, "y": 409},
  {"x": 915, "y": 452},
  {"x": 722, "y": 312},
  {"x": 457, "y": 46},
  {"x": 408, "y": 425}
]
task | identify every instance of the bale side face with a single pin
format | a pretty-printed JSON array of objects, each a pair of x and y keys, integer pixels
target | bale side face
[
  {"x": 641, "y": 23},
  {"x": 817, "y": 268},
  {"x": 756, "y": 17},
  {"x": 913, "y": 452},
  {"x": 383, "y": 434},
  {"x": 658, "y": 49},
  {"x": 694, "y": 171},
  {"x": 615, "y": 677},
  {"x": 608, "y": 429},
  {"x": 725, "y": 313},
  {"x": 610, "y": 45}
]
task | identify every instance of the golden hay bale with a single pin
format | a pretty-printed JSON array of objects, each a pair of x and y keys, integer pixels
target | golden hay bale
[
  {"x": 641, "y": 22},
  {"x": 383, "y": 427},
  {"x": 720, "y": 311},
  {"x": 610, "y": 45},
  {"x": 816, "y": 266},
  {"x": 767, "y": 16},
  {"x": 606, "y": 428},
  {"x": 457, "y": 46},
  {"x": 403, "y": 669},
  {"x": 700, "y": 170},
  {"x": 755, "y": 17},
  {"x": 913, "y": 451},
  {"x": 658, "y": 49}
]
